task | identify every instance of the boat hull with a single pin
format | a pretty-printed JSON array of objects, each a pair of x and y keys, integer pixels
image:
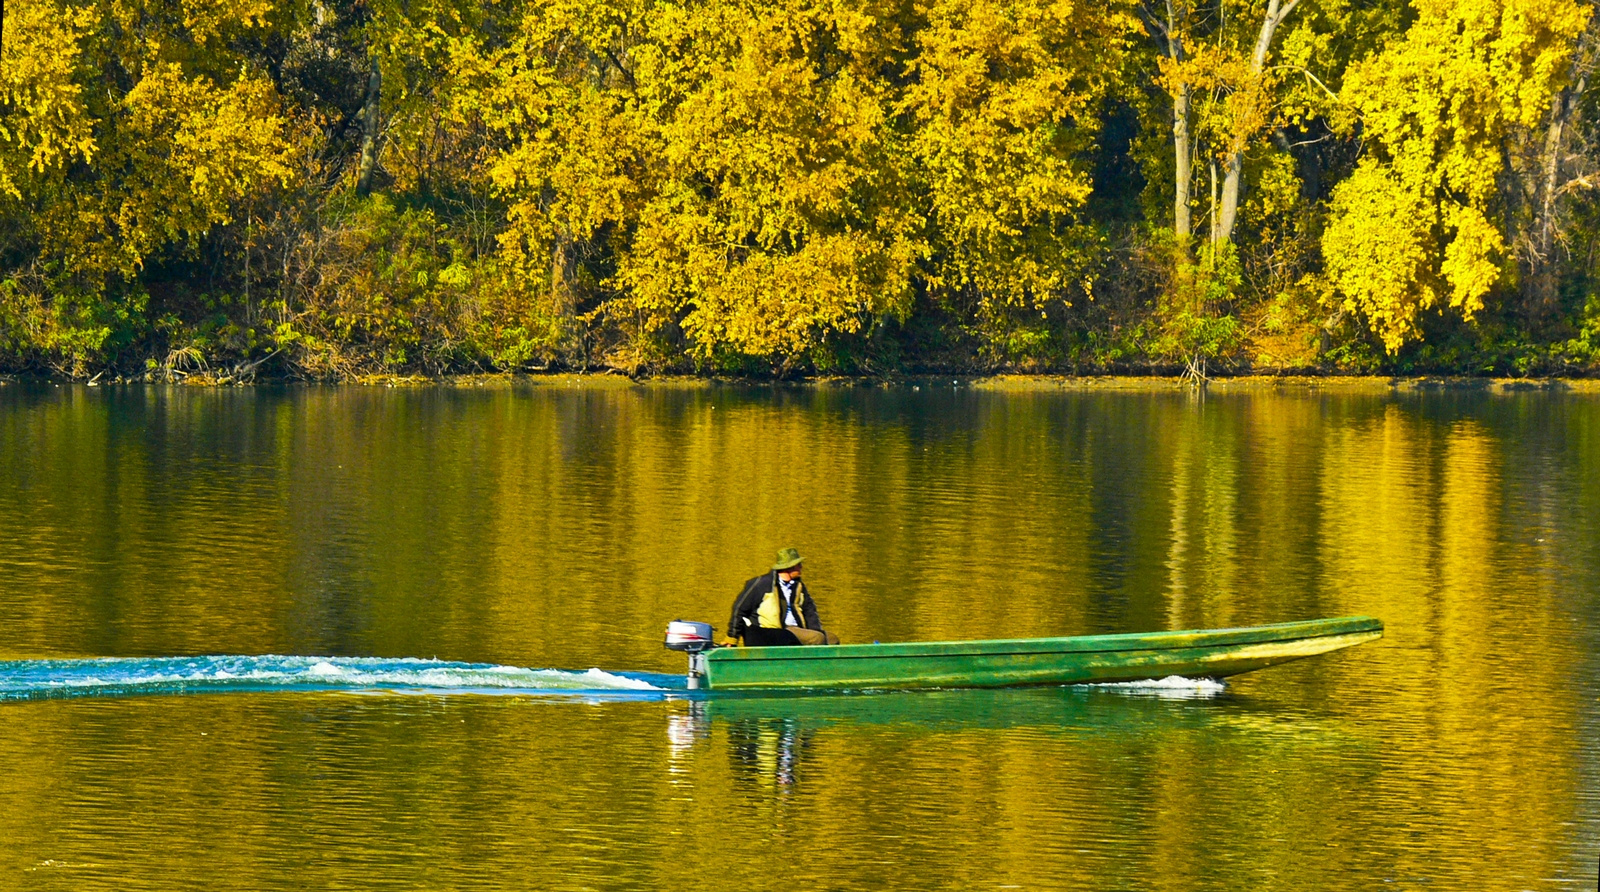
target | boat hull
[{"x": 1205, "y": 653}]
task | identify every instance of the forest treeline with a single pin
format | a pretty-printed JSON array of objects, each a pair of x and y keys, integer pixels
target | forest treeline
[{"x": 329, "y": 188}]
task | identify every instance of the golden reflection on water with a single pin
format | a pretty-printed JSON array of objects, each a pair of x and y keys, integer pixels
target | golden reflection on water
[{"x": 564, "y": 526}]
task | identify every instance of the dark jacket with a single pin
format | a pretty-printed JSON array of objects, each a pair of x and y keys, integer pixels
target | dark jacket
[{"x": 747, "y": 607}]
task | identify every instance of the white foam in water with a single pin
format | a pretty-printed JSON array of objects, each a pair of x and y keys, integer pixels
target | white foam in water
[
  {"x": 457, "y": 676},
  {"x": 617, "y": 681},
  {"x": 127, "y": 676},
  {"x": 1171, "y": 686},
  {"x": 426, "y": 674}
]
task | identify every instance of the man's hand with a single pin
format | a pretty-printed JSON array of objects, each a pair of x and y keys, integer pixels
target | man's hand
[{"x": 728, "y": 642}]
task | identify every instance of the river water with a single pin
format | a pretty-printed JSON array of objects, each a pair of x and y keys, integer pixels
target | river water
[{"x": 388, "y": 638}]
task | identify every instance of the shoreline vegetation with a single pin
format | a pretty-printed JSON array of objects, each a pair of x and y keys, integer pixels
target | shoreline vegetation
[
  {"x": 1002, "y": 383},
  {"x": 355, "y": 190}
]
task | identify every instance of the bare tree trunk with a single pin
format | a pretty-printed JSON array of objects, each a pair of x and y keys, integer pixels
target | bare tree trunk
[
  {"x": 1171, "y": 33},
  {"x": 1215, "y": 218},
  {"x": 1183, "y": 158},
  {"x": 1233, "y": 167},
  {"x": 1540, "y": 281},
  {"x": 564, "y": 299},
  {"x": 562, "y": 272},
  {"x": 369, "y": 130},
  {"x": 249, "y": 239},
  {"x": 1234, "y": 173},
  {"x": 1182, "y": 147}
]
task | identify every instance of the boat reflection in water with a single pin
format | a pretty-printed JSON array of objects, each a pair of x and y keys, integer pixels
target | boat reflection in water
[{"x": 775, "y": 740}]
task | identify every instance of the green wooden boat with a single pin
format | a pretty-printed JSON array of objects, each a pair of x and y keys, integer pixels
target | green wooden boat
[{"x": 1202, "y": 653}]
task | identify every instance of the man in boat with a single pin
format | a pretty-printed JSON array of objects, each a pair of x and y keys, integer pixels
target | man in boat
[{"x": 775, "y": 609}]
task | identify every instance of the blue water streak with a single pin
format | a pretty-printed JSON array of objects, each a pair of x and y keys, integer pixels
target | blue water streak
[{"x": 132, "y": 677}]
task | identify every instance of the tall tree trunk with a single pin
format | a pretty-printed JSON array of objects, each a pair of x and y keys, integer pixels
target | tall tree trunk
[
  {"x": 1541, "y": 280},
  {"x": 369, "y": 130},
  {"x": 1170, "y": 31},
  {"x": 562, "y": 271},
  {"x": 1182, "y": 146},
  {"x": 1233, "y": 167},
  {"x": 1233, "y": 173},
  {"x": 564, "y": 299},
  {"x": 1214, "y": 217},
  {"x": 1183, "y": 159}
]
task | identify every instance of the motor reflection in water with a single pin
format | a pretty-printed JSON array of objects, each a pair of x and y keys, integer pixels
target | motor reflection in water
[{"x": 766, "y": 750}]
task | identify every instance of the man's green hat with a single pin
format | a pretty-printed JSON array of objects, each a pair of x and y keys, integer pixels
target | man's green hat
[{"x": 787, "y": 558}]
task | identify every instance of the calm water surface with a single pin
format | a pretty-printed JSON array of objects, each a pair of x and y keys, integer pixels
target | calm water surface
[{"x": 342, "y": 638}]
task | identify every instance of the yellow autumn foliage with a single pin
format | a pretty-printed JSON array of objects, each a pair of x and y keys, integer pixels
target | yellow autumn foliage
[
  {"x": 1379, "y": 253},
  {"x": 1003, "y": 98},
  {"x": 772, "y": 185},
  {"x": 126, "y": 129},
  {"x": 46, "y": 124},
  {"x": 771, "y": 174},
  {"x": 192, "y": 149},
  {"x": 1441, "y": 111}
]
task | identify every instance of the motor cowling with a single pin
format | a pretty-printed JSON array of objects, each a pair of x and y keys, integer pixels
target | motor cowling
[{"x": 689, "y": 637}]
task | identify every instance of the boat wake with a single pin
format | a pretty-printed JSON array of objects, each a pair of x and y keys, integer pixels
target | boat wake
[
  {"x": 126, "y": 677},
  {"x": 1174, "y": 687}
]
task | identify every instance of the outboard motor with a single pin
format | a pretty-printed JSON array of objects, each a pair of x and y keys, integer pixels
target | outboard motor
[{"x": 693, "y": 639}]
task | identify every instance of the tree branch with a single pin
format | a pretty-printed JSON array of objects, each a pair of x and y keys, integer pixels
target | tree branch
[
  {"x": 1155, "y": 23},
  {"x": 633, "y": 84},
  {"x": 1311, "y": 77}
]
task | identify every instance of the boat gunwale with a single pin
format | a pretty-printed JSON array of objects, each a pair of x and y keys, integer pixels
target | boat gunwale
[{"x": 1173, "y": 639}]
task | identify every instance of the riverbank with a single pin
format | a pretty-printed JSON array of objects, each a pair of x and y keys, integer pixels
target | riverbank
[{"x": 1013, "y": 383}]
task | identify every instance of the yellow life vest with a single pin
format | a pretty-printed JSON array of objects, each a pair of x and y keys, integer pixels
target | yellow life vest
[{"x": 770, "y": 614}]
